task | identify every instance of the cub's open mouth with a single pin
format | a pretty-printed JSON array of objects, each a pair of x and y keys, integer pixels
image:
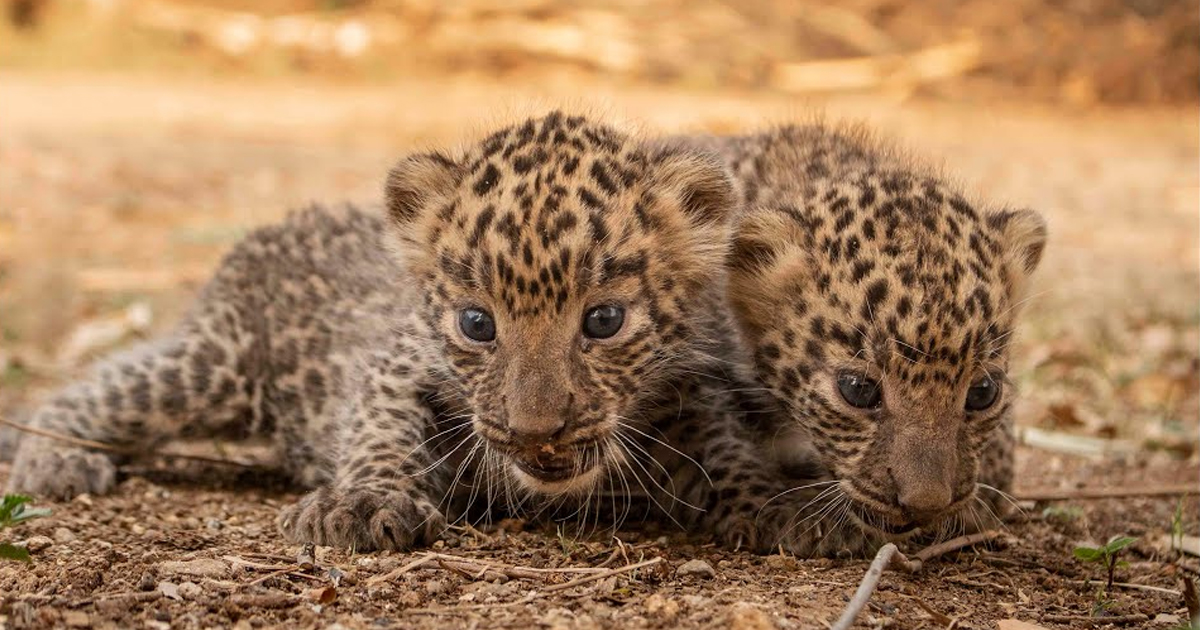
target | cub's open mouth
[{"x": 548, "y": 472}]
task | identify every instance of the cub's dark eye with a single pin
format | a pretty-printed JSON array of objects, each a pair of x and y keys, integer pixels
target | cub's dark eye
[
  {"x": 983, "y": 394},
  {"x": 859, "y": 390},
  {"x": 477, "y": 325},
  {"x": 603, "y": 322}
]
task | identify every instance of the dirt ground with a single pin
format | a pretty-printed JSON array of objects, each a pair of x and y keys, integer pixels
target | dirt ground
[{"x": 117, "y": 194}]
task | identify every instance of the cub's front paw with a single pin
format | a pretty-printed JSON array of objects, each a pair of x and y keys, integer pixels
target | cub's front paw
[
  {"x": 50, "y": 469},
  {"x": 737, "y": 531},
  {"x": 364, "y": 520},
  {"x": 808, "y": 530}
]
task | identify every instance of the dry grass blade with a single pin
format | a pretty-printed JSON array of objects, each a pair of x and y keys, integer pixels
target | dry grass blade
[
  {"x": 938, "y": 618},
  {"x": 1089, "y": 620},
  {"x": 256, "y": 565},
  {"x": 475, "y": 568},
  {"x": 603, "y": 574},
  {"x": 889, "y": 555},
  {"x": 1135, "y": 587},
  {"x": 535, "y": 595},
  {"x": 391, "y": 575}
]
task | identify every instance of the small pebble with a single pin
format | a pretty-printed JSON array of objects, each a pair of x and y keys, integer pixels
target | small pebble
[
  {"x": 64, "y": 535},
  {"x": 658, "y": 605},
  {"x": 190, "y": 590},
  {"x": 147, "y": 582},
  {"x": 746, "y": 617},
  {"x": 38, "y": 543},
  {"x": 169, "y": 590},
  {"x": 696, "y": 568}
]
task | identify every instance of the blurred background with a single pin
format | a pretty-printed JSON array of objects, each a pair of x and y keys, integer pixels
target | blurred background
[{"x": 139, "y": 139}]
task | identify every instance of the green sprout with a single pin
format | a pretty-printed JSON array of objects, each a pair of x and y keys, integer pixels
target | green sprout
[
  {"x": 1106, "y": 556},
  {"x": 13, "y": 511}
]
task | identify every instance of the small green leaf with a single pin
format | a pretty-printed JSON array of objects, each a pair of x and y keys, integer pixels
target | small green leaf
[
  {"x": 1119, "y": 543},
  {"x": 12, "y": 552},
  {"x": 24, "y": 514},
  {"x": 1089, "y": 554},
  {"x": 12, "y": 505}
]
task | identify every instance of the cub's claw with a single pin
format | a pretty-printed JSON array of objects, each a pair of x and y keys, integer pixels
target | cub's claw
[{"x": 364, "y": 520}]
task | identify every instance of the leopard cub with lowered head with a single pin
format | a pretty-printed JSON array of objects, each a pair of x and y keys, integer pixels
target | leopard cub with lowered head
[
  {"x": 538, "y": 317},
  {"x": 880, "y": 305}
]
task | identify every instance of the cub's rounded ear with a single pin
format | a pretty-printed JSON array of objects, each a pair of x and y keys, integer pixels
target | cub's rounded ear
[
  {"x": 417, "y": 179},
  {"x": 1023, "y": 237},
  {"x": 756, "y": 241},
  {"x": 698, "y": 182}
]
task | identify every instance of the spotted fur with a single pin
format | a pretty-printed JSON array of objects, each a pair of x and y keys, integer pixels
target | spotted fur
[
  {"x": 850, "y": 260},
  {"x": 338, "y": 334}
]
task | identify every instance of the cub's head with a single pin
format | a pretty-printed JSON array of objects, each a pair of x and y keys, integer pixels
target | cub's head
[
  {"x": 568, "y": 271},
  {"x": 881, "y": 307}
]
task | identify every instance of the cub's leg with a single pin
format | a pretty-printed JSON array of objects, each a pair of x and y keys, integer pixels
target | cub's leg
[
  {"x": 195, "y": 379},
  {"x": 388, "y": 480}
]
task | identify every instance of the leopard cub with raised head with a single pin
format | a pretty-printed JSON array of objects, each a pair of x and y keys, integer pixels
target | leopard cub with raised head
[
  {"x": 539, "y": 317},
  {"x": 880, "y": 305}
]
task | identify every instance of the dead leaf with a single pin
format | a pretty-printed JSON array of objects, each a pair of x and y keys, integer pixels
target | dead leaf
[
  {"x": 307, "y": 557},
  {"x": 1063, "y": 415},
  {"x": 322, "y": 595}
]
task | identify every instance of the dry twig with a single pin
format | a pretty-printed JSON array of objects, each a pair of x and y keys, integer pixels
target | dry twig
[
  {"x": 391, "y": 575},
  {"x": 1089, "y": 620},
  {"x": 889, "y": 555},
  {"x": 130, "y": 452},
  {"x": 1108, "y": 493},
  {"x": 1191, "y": 599}
]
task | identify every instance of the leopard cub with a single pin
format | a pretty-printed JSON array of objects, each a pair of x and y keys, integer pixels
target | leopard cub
[
  {"x": 538, "y": 318},
  {"x": 880, "y": 305}
]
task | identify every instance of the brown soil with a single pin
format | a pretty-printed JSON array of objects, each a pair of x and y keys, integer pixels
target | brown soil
[
  {"x": 189, "y": 555},
  {"x": 118, "y": 191}
]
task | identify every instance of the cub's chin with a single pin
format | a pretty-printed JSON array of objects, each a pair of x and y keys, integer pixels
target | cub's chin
[{"x": 556, "y": 481}]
